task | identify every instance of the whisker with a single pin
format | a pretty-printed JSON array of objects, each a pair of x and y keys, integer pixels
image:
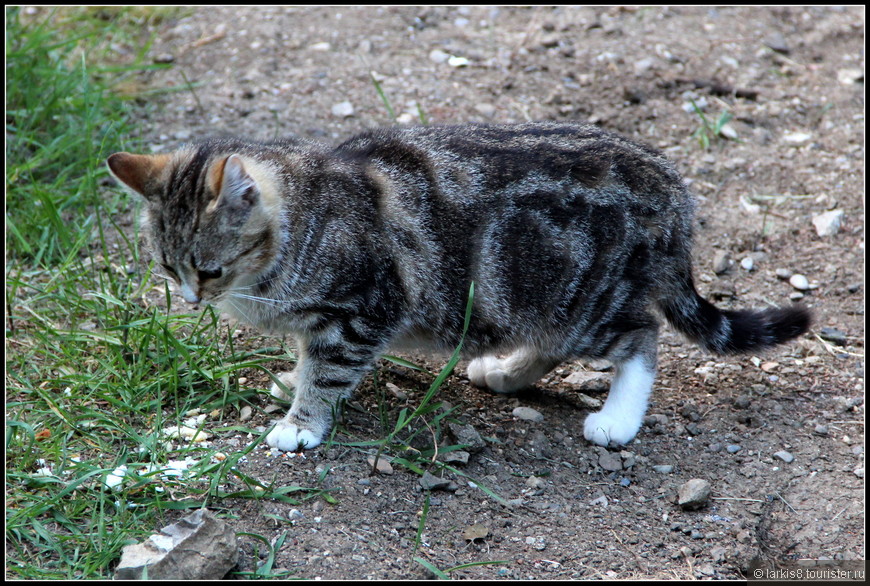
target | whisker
[{"x": 264, "y": 300}]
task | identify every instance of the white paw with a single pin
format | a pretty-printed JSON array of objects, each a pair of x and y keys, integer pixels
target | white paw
[
  {"x": 602, "y": 429},
  {"x": 289, "y": 437},
  {"x": 288, "y": 379},
  {"x": 478, "y": 368}
]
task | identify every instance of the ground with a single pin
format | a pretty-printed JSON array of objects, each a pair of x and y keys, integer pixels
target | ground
[{"x": 791, "y": 79}]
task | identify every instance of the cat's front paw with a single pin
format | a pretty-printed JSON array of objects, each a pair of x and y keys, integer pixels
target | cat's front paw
[
  {"x": 602, "y": 429},
  {"x": 288, "y": 436},
  {"x": 288, "y": 379},
  {"x": 489, "y": 372}
]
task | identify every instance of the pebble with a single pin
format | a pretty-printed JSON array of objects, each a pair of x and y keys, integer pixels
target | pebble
[
  {"x": 747, "y": 263},
  {"x": 833, "y": 335},
  {"x": 784, "y": 274},
  {"x": 342, "y": 110},
  {"x": 245, "y": 413},
  {"x": 383, "y": 465},
  {"x": 821, "y": 429},
  {"x": 799, "y": 282},
  {"x": 431, "y": 482},
  {"x": 485, "y": 109},
  {"x": 438, "y": 56},
  {"x": 694, "y": 493},
  {"x": 828, "y": 223},
  {"x": 784, "y": 456},
  {"x": 527, "y": 414},
  {"x": 733, "y": 448},
  {"x": 721, "y": 261},
  {"x": 468, "y": 436},
  {"x": 610, "y": 461},
  {"x": 797, "y": 138}
]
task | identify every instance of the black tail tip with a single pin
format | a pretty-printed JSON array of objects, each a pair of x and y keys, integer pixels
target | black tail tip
[{"x": 756, "y": 330}]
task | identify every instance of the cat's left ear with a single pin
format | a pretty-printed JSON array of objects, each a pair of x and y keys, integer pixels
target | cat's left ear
[
  {"x": 137, "y": 172},
  {"x": 233, "y": 184}
]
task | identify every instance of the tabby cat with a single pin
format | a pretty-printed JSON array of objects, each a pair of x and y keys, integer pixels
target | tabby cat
[{"x": 575, "y": 238}]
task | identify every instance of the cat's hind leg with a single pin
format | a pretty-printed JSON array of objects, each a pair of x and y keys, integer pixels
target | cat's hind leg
[
  {"x": 622, "y": 415},
  {"x": 511, "y": 374}
]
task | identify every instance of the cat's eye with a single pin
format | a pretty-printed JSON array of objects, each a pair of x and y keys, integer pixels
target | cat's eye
[
  {"x": 170, "y": 271},
  {"x": 205, "y": 275}
]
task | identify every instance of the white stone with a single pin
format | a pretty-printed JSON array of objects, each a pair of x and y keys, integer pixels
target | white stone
[
  {"x": 342, "y": 109},
  {"x": 828, "y": 223},
  {"x": 799, "y": 282}
]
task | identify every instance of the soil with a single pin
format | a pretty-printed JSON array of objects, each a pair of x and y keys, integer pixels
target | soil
[{"x": 792, "y": 80}]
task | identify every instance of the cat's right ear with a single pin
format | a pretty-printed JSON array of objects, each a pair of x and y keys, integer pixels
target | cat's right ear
[
  {"x": 137, "y": 171},
  {"x": 234, "y": 186}
]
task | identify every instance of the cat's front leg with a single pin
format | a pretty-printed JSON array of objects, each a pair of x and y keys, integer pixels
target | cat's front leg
[{"x": 329, "y": 373}]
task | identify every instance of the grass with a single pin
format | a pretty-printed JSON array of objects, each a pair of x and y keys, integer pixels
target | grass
[
  {"x": 97, "y": 367},
  {"x": 707, "y": 131},
  {"x": 95, "y": 372}
]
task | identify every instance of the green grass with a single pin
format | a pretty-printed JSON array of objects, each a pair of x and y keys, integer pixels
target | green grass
[{"x": 94, "y": 371}]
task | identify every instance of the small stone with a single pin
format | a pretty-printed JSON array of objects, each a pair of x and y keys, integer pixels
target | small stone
[
  {"x": 590, "y": 381},
  {"x": 431, "y": 482},
  {"x": 742, "y": 402},
  {"x": 164, "y": 58},
  {"x": 438, "y": 56},
  {"x": 721, "y": 261},
  {"x": 382, "y": 466},
  {"x": 784, "y": 274},
  {"x": 696, "y": 534},
  {"x": 733, "y": 448},
  {"x": 828, "y": 223},
  {"x": 821, "y": 429},
  {"x": 454, "y": 61},
  {"x": 486, "y": 110},
  {"x": 850, "y": 76},
  {"x": 476, "y": 531},
  {"x": 609, "y": 461},
  {"x": 322, "y": 46},
  {"x": 747, "y": 263},
  {"x": 457, "y": 457},
  {"x": 663, "y": 468},
  {"x": 799, "y": 282},
  {"x": 600, "y": 502},
  {"x": 784, "y": 456},
  {"x": 527, "y": 414},
  {"x": 776, "y": 42},
  {"x": 797, "y": 138},
  {"x": 342, "y": 110},
  {"x": 539, "y": 543},
  {"x": 694, "y": 493},
  {"x": 535, "y": 482},
  {"x": 396, "y": 391},
  {"x": 468, "y": 436},
  {"x": 833, "y": 335},
  {"x": 245, "y": 413},
  {"x": 198, "y": 547}
]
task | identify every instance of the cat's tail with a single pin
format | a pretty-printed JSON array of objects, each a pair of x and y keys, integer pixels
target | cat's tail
[{"x": 723, "y": 331}]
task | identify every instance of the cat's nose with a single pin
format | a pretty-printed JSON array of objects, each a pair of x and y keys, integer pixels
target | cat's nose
[{"x": 189, "y": 294}]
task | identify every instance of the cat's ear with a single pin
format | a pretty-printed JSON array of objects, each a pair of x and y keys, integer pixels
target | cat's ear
[
  {"x": 233, "y": 184},
  {"x": 137, "y": 171}
]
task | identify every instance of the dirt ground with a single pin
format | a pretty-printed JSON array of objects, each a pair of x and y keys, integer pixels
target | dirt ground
[{"x": 779, "y": 437}]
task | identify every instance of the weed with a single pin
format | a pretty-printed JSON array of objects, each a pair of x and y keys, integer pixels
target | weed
[{"x": 707, "y": 132}]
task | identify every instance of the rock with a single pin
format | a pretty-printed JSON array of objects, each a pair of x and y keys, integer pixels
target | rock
[
  {"x": 821, "y": 429},
  {"x": 747, "y": 263},
  {"x": 453, "y": 61},
  {"x": 833, "y": 335},
  {"x": 693, "y": 494},
  {"x": 476, "y": 531},
  {"x": 468, "y": 436},
  {"x": 535, "y": 482},
  {"x": 342, "y": 110},
  {"x": 850, "y": 76},
  {"x": 431, "y": 482},
  {"x": 784, "y": 274},
  {"x": 663, "y": 468},
  {"x": 799, "y": 282},
  {"x": 527, "y": 414},
  {"x": 733, "y": 448},
  {"x": 456, "y": 457},
  {"x": 828, "y": 223},
  {"x": 776, "y": 42},
  {"x": 485, "y": 109},
  {"x": 245, "y": 413},
  {"x": 609, "y": 461},
  {"x": 797, "y": 138},
  {"x": 721, "y": 261},
  {"x": 382, "y": 466},
  {"x": 784, "y": 456},
  {"x": 198, "y": 547},
  {"x": 600, "y": 502},
  {"x": 438, "y": 56},
  {"x": 590, "y": 381}
]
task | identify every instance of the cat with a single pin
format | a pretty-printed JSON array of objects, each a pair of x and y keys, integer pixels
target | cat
[{"x": 575, "y": 237}]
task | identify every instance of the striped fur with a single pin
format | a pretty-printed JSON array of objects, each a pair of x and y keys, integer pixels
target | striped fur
[{"x": 576, "y": 239}]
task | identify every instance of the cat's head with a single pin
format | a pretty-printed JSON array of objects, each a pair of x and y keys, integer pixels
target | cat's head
[{"x": 211, "y": 216}]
